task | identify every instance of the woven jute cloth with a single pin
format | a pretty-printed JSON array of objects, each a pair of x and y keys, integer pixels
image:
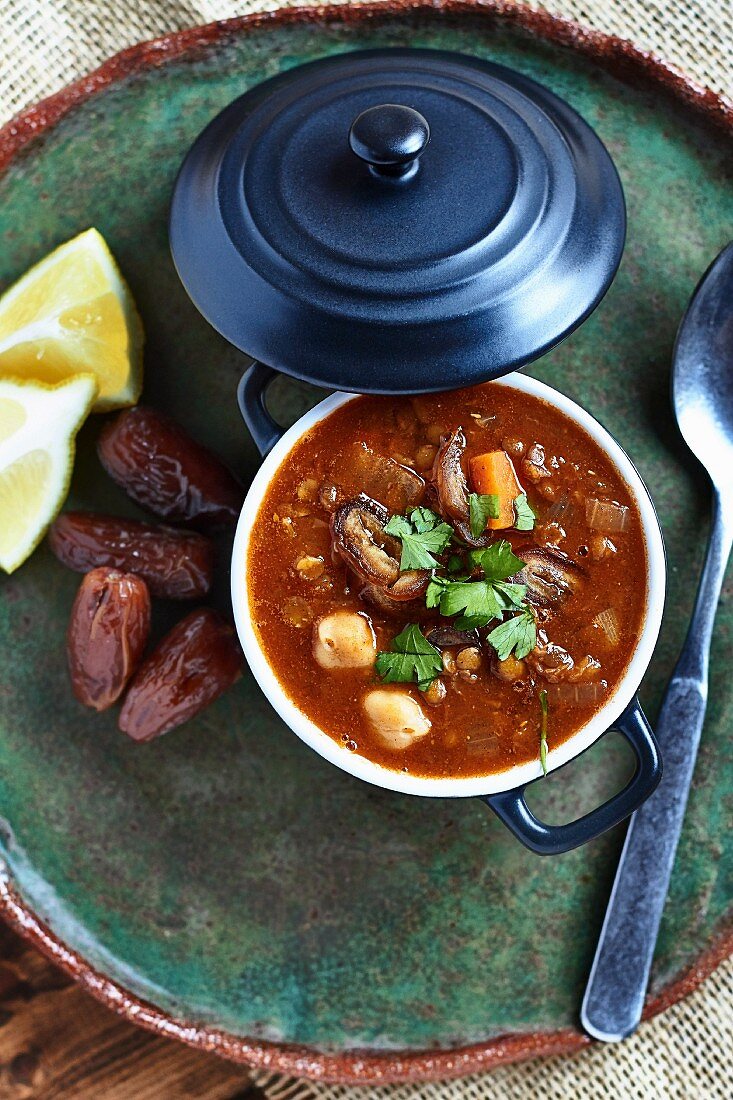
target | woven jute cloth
[
  {"x": 686, "y": 1053},
  {"x": 45, "y": 44}
]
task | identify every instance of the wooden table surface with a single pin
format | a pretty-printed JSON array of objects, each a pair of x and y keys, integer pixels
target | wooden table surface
[{"x": 57, "y": 1043}]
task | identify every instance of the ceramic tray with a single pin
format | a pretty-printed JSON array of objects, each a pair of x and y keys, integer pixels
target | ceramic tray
[{"x": 224, "y": 884}]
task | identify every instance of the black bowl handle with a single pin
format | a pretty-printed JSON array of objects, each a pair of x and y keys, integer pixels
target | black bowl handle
[
  {"x": 251, "y": 395},
  {"x": 548, "y": 840}
]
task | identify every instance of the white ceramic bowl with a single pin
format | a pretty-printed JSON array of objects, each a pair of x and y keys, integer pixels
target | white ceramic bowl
[{"x": 506, "y": 780}]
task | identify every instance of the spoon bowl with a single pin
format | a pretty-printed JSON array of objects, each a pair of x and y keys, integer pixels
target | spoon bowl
[{"x": 702, "y": 379}]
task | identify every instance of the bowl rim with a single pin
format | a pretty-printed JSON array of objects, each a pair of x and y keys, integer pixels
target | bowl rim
[{"x": 460, "y": 787}]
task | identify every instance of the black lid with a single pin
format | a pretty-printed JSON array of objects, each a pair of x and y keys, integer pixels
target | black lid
[{"x": 397, "y": 220}]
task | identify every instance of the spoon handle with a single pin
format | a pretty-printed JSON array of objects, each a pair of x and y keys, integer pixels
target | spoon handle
[{"x": 614, "y": 996}]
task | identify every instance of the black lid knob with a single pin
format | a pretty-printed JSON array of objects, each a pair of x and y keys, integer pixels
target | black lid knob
[{"x": 390, "y": 138}]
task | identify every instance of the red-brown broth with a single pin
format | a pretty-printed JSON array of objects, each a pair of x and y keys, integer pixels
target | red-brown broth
[{"x": 484, "y": 724}]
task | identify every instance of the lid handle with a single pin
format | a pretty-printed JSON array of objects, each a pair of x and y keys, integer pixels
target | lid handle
[{"x": 390, "y": 138}]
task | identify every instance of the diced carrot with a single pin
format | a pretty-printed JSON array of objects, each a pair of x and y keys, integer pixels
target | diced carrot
[{"x": 494, "y": 473}]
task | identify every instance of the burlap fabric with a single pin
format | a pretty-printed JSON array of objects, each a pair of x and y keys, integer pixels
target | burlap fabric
[
  {"x": 687, "y": 1053},
  {"x": 44, "y": 44}
]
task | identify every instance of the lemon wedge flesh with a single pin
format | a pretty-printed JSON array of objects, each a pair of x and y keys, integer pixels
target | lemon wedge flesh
[
  {"x": 73, "y": 314},
  {"x": 38, "y": 426}
]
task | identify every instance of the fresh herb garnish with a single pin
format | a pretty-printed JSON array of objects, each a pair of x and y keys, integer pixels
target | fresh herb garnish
[
  {"x": 435, "y": 590},
  {"x": 422, "y": 535},
  {"x": 498, "y": 561},
  {"x": 543, "y": 732},
  {"x": 525, "y": 517},
  {"x": 478, "y": 602},
  {"x": 454, "y": 564},
  {"x": 482, "y": 507},
  {"x": 412, "y": 660},
  {"x": 472, "y": 602},
  {"x": 423, "y": 519},
  {"x": 518, "y": 634}
]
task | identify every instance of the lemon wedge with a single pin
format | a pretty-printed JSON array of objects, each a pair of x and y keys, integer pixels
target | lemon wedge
[
  {"x": 38, "y": 426},
  {"x": 73, "y": 314}
]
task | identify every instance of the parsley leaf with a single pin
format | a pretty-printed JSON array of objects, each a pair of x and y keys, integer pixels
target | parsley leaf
[
  {"x": 455, "y": 564},
  {"x": 482, "y": 507},
  {"x": 498, "y": 561},
  {"x": 525, "y": 517},
  {"x": 543, "y": 732},
  {"x": 399, "y": 526},
  {"x": 475, "y": 601},
  {"x": 518, "y": 633},
  {"x": 422, "y": 535},
  {"x": 511, "y": 595},
  {"x": 423, "y": 519},
  {"x": 478, "y": 602},
  {"x": 434, "y": 592},
  {"x": 412, "y": 660}
]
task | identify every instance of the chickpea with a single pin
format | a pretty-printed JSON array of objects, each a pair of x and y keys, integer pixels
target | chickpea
[
  {"x": 469, "y": 659},
  {"x": 510, "y": 669},
  {"x": 307, "y": 490},
  {"x": 344, "y": 639},
  {"x": 297, "y": 611},
  {"x": 436, "y": 693},
  {"x": 433, "y": 432},
  {"x": 396, "y": 718},
  {"x": 449, "y": 662},
  {"x": 310, "y": 567}
]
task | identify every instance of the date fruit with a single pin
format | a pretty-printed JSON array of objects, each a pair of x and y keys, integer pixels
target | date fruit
[
  {"x": 197, "y": 661},
  {"x": 107, "y": 635},
  {"x": 177, "y": 565},
  {"x": 158, "y": 464}
]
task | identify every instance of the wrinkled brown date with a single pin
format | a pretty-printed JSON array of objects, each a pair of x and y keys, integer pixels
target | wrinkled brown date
[
  {"x": 197, "y": 661},
  {"x": 158, "y": 464},
  {"x": 107, "y": 634},
  {"x": 176, "y": 565}
]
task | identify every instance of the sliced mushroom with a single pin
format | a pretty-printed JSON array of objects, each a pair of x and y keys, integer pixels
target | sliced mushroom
[
  {"x": 396, "y": 718},
  {"x": 358, "y": 536},
  {"x": 344, "y": 639},
  {"x": 445, "y": 637},
  {"x": 451, "y": 487},
  {"x": 410, "y": 585},
  {"x": 404, "y": 597},
  {"x": 449, "y": 478},
  {"x": 382, "y": 599},
  {"x": 550, "y": 576}
]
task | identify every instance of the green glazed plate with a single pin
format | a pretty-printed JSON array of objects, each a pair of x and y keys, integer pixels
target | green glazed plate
[{"x": 224, "y": 884}]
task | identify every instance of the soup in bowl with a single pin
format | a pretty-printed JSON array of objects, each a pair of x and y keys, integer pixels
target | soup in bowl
[{"x": 450, "y": 594}]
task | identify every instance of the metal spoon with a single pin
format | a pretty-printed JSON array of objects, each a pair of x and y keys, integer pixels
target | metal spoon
[{"x": 702, "y": 391}]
